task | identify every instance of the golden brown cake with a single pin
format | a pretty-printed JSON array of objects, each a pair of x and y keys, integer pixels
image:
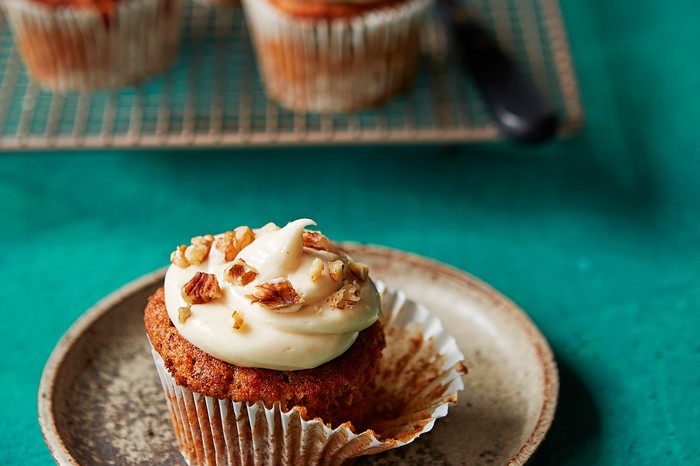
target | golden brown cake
[
  {"x": 336, "y": 55},
  {"x": 334, "y": 391},
  {"x": 79, "y": 45}
]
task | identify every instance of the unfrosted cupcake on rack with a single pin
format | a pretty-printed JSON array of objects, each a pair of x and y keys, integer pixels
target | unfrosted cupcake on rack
[
  {"x": 269, "y": 344},
  {"x": 336, "y": 55},
  {"x": 81, "y": 45}
]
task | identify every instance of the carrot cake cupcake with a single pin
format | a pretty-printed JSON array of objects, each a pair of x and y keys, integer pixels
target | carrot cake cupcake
[
  {"x": 269, "y": 344},
  {"x": 81, "y": 45},
  {"x": 336, "y": 55}
]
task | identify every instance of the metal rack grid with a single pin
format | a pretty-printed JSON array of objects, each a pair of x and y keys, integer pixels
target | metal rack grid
[{"x": 213, "y": 95}]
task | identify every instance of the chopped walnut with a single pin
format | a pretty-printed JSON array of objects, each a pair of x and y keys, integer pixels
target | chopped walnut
[
  {"x": 269, "y": 227},
  {"x": 178, "y": 257},
  {"x": 316, "y": 240},
  {"x": 336, "y": 270},
  {"x": 198, "y": 251},
  {"x": 201, "y": 289},
  {"x": 316, "y": 269},
  {"x": 359, "y": 270},
  {"x": 345, "y": 297},
  {"x": 183, "y": 314},
  {"x": 276, "y": 294},
  {"x": 237, "y": 320},
  {"x": 240, "y": 274},
  {"x": 233, "y": 241}
]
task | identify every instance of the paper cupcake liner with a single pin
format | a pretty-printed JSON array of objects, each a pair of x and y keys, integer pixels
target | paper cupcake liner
[
  {"x": 342, "y": 64},
  {"x": 80, "y": 49},
  {"x": 420, "y": 370}
]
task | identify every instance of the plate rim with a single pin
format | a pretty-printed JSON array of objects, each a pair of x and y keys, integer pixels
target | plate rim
[
  {"x": 545, "y": 356},
  {"x": 47, "y": 422}
]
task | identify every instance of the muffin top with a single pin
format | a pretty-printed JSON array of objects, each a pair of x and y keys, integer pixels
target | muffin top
[
  {"x": 274, "y": 298},
  {"x": 328, "y": 9},
  {"x": 103, "y": 6}
]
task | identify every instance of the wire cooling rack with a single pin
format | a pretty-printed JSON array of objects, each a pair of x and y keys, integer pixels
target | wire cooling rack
[{"x": 213, "y": 95}]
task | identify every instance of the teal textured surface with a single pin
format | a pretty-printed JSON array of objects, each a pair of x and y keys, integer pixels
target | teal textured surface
[{"x": 597, "y": 237}]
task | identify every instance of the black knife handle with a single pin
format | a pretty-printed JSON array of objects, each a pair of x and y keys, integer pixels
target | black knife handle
[{"x": 521, "y": 112}]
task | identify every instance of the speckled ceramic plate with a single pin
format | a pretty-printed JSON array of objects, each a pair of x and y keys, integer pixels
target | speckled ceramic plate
[{"x": 100, "y": 401}]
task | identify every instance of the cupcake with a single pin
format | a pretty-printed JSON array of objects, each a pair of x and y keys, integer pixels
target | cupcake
[
  {"x": 269, "y": 347},
  {"x": 82, "y": 45},
  {"x": 336, "y": 55}
]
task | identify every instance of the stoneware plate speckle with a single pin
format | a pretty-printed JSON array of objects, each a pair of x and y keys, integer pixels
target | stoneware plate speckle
[{"x": 100, "y": 401}]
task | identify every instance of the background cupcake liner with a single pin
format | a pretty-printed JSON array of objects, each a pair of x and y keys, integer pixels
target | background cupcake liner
[
  {"x": 71, "y": 48},
  {"x": 423, "y": 374},
  {"x": 331, "y": 65}
]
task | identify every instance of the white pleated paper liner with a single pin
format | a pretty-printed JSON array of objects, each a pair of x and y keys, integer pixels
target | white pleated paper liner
[
  {"x": 339, "y": 64},
  {"x": 421, "y": 369},
  {"x": 78, "y": 48}
]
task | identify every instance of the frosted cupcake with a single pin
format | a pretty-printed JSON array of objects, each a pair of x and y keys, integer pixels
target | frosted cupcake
[
  {"x": 336, "y": 55},
  {"x": 268, "y": 343},
  {"x": 81, "y": 45}
]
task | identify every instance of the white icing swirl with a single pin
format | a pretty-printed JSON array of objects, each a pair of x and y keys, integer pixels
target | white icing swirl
[{"x": 292, "y": 338}]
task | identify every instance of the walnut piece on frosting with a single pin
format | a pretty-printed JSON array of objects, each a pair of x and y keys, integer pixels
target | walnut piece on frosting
[
  {"x": 276, "y": 294},
  {"x": 231, "y": 243},
  {"x": 201, "y": 289},
  {"x": 345, "y": 297},
  {"x": 316, "y": 240},
  {"x": 198, "y": 251},
  {"x": 316, "y": 269},
  {"x": 359, "y": 270},
  {"x": 336, "y": 270},
  {"x": 240, "y": 274},
  {"x": 195, "y": 253},
  {"x": 269, "y": 227},
  {"x": 178, "y": 256},
  {"x": 184, "y": 313},
  {"x": 238, "y": 320}
]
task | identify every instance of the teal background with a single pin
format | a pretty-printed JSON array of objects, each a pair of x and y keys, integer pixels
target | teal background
[{"x": 596, "y": 237}]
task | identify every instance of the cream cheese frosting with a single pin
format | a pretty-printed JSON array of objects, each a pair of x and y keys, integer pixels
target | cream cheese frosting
[{"x": 332, "y": 302}]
